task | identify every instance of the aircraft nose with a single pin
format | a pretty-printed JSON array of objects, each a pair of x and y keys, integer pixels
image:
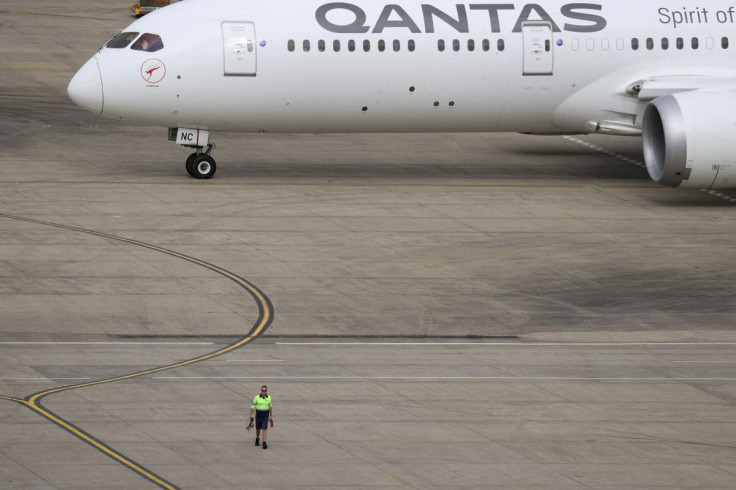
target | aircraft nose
[{"x": 85, "y": 89}]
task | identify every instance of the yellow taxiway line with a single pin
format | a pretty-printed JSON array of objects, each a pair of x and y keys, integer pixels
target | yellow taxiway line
[{"x": 33, "y": 401}]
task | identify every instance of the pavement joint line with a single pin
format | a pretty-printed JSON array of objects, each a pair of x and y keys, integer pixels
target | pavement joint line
[
  {"x": 122, "y": 342},
  {"x": 512, "y": 344},
  {"x": 33, "y": 401},
  {"x": 75, "y": 17},
  {"x": 332, "y": 184},
  {"x": 254, "y": 360},
  {"x": 719, "y": 195},
  {"x": 38, "y": 378},
  {"x": 36, "y": 66},
  {"x": 523, "y": 378},
  {"x": 713, "y": 192},
  {"x": 618, "y": 156},
  {"x": 709, "y": 362}
]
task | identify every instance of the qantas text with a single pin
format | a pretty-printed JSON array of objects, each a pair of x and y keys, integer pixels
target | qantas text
[{"x": 580, "y": 17}]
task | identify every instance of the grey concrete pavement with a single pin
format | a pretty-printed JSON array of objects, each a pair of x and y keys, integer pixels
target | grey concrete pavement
[{"x": 591, "y": 310}]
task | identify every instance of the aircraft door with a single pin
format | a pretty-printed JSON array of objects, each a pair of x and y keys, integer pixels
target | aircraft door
[
  {"x": 239, "y": 42},
  {"x": 538, "y": 48}
]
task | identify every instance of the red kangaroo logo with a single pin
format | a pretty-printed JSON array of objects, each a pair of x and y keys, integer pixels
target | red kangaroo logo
[{"x": 150, "y": 72}]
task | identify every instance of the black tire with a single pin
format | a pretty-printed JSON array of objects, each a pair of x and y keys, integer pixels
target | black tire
[
  {"x": 203, "y": 167},
  {"x": 190, "y": 164}
]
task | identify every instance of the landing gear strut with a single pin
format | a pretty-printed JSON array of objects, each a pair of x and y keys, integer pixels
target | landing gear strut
[{"x": 200, "y": 164}]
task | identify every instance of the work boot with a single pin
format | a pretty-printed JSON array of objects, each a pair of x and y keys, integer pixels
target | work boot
[
  {"x": 258, "y": 441},
  {"x": 265, "y": 446}
]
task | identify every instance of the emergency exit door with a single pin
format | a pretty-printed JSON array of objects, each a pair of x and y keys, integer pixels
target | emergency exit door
[
  {"x": 538, "y": 51},
  {"x": 239, "y": 42}
]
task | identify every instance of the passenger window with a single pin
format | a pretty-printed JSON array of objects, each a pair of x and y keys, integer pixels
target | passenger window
[
  {"x": 336, "y": 46},
  {"x": 665, "y": 43},
  {"x": 634, "y": 44},
  {"x": 709, "y": 43},
  {"x": 122, "y": 40},
  {"x": 590, "y": 44},
  {"x": 694, "y": 43},
  {"x": 397, "y": 45},
  {"x": 650, "y": 43},
  {"x": 486, "y": 45},
  {"x": 620, "y": 44},
  {"x": 605, "y": 44},
  {"x": 501, "y": 44},
  {"x": 724, "y": 42},
  {"x": 306, "y": 46},
  {"x": 411, "y": 45},
  {"x": 456, "y": 45},
  {"x": 471, "y": 45},
  {"x": 381, "y": 45},
  {"x": 366, "y": 45},
  {"x": 680, "y": 43},
  {"x": 149, "y": 43},
  {"x": 351, "y": 45},
  {"x": 575, "y": 44},
  {"x": 321, "y": 46},
  {"x": 291, "y": 45},
  {"x": 441, "y": 45}
]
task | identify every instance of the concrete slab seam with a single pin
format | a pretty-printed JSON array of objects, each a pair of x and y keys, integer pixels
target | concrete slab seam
[{"x": 626, "y": 159}]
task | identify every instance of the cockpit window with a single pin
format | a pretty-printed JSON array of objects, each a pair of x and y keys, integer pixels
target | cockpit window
[
  {"x": 122, "y": 40},
  {"x": 148, "y": 42}
]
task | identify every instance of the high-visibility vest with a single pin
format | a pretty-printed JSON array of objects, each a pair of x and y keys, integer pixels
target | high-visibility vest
[{"x": 261, "y": 403}]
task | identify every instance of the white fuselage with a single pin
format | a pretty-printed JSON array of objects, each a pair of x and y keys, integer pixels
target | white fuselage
[
  {"x": 324, "y": 90},
  {"x": 613, "y": 67}
]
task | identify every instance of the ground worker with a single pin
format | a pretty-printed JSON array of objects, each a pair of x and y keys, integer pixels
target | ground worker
[{"x": 264, "y": 411}]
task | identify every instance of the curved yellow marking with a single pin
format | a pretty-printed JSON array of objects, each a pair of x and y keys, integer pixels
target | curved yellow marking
[
  {"x": 93, "y": 442},
  {"x": 240, "y": 343},
  {"x": 32, "y": 401},
  {"x": 143, "y": 373}
]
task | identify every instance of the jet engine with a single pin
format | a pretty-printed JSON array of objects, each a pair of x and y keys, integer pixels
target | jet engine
[{"x": 689, "y": 139}]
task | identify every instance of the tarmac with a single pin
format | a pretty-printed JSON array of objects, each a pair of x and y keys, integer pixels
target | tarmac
[{"x": 428, "y": 311}]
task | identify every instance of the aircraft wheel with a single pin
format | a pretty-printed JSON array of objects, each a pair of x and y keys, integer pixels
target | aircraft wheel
[
  {"x": 190, "y": 164},
  {"x": 203, "y": 167}
]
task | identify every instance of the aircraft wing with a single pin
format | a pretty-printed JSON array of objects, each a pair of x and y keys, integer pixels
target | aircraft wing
[
  {"x": 652, "y": 88},
  {"x": 615, "y": 103}
]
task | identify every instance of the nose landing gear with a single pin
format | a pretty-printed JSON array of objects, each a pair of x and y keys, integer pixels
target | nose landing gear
[{"x": 200, "y": 164}]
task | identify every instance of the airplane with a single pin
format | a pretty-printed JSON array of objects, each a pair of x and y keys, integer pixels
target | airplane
[{"x": 624, "y": 67}]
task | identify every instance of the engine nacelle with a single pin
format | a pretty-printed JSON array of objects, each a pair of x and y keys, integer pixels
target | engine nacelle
[{"x": 689, "y": 139}]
